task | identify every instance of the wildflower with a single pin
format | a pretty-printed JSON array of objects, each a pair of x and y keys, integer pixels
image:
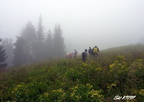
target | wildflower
[
  {"x": 46, "y": 94},
  {"x": 72, "y": 94},
  {"x": 141, "y": 92},
  {"x": 98, "y": 69},
  {"x": 59, "y": 90},
  {"x": 85, "y": 65},
  {"x": 78, "y": 97},
  {"x": 19, "y": 85},
  {"x": 112, "y": 65},
  {"x": 89, "y": 85},
  {"x": 63, "y": 95},
  {"x": 111, "y": 85},
  {"x": 76, "y": 87},
  {"x": 94, "y": 93}
]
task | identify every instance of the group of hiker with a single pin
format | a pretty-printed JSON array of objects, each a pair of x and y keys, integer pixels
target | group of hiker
[
  {"x": 92, "y": 53},
  {"x": 71, "y": 55}
]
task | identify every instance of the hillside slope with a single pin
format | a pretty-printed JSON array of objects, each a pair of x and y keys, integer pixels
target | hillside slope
[{"x": 117, "y": 71}]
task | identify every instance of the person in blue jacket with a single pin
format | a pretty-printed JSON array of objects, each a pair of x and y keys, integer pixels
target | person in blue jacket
[{"x": 84, "y": 55}]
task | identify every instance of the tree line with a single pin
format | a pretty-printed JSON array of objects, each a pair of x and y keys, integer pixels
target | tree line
[{"x": 32, "y": 45}]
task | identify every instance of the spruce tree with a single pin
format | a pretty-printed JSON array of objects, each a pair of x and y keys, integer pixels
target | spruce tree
[
  {"x": 40, "y": 48},
  {"x": 58, "y": 42},
  {"x": 29, "y": 36},
  {"x": 49, "y": 45},
  {"x": 2, "y": 57},
  {"x": 40, "y": 32},
  {"x": 24, "y": 51},
  {"x": 19, "y": 56},
  {"x": 9, "y": 48}
]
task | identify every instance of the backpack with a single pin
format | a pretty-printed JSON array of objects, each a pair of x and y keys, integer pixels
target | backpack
[{"x": 95, "y": 50}]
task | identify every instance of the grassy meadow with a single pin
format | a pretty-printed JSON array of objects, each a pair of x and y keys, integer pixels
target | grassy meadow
[{"x": 115, "y": 72}]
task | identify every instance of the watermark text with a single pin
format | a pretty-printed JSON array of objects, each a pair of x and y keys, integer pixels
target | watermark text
[{"x": 127, "y": 97}]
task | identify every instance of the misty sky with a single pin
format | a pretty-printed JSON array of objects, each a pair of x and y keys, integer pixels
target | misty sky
[{"x": 105, "y": 23}]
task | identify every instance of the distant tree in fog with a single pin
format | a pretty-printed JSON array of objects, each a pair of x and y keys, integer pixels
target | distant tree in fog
[
  {"x": 3, "y": 57},
  {"x": 49, "y": 45},
  {"x": 25, "y": 45},
  {"x": 8, "y": 46},
  {"x": 32, "y": 45},
  {"x": 40, "y": 48},
  {"x": 40, "y": 32},
  {"x": 19, "y": 56},
  {"x": 58, "y": 42},
  {"x": 29, "y": 36}
]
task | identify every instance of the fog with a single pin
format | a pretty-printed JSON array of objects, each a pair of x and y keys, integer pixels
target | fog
[{"x": 85, "y": 23}]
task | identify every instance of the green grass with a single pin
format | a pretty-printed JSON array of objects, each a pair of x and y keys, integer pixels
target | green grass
[{"x": 116, "y": 71}]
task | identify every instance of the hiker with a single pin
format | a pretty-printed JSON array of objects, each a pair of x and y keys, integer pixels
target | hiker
[
  {"x": 71, "y": 55},
  {"x": 90, "y": 51},
  {"x": 95, "y": 51},
  {"x": 75, "y": 53},
  {"x": 84, "y": 55},
  {"x": 67, "y": 56}
]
